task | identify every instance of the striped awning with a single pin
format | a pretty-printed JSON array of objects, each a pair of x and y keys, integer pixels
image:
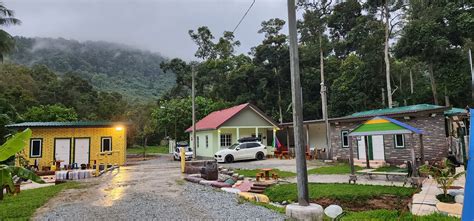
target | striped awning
[{"x": 383, "y": 125}]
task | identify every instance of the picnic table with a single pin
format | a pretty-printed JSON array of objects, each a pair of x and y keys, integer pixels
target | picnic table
[{"x": 266, "y": 172}]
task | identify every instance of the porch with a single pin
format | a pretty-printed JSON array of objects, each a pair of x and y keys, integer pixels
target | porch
[{"x": 230, "y": 135}]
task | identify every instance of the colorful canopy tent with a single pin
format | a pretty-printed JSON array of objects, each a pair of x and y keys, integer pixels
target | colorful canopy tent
[{"x": 381, "y": 125}]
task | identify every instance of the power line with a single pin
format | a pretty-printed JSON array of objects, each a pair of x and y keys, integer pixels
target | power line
[{"x": 251, "y": 5}]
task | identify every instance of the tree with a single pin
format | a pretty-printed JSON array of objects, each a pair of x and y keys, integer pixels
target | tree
[
  {"x": 47, "y": 113},
  {"x": 387, "y": 9},
  {"x": 7, "y": 18},
  {"x": 434, "y": 34}
]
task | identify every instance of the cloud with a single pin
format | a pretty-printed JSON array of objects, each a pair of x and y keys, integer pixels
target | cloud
[{"x": 155, "y": 25}]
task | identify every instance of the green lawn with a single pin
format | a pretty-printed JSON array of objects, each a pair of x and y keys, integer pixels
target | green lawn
[
  {"x": 394, "y": 215},
  {"x": 337, "y": 191},
  {"x": 390, "y": 169},
  {"x": 23, "y": 205},
  {"x": 340, "y": 168},
  {"x": 149, "y": 150},
  {"x": 252, "y": 173}
]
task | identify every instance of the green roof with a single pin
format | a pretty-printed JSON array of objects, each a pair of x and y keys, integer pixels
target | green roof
[
  {"x": 455, "y": 111},
  {"x": 67, "y": 124},
  {"x": 396, "y": 110}
]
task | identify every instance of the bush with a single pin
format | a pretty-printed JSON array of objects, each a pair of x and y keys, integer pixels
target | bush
[{"x": 445, "y": 198}]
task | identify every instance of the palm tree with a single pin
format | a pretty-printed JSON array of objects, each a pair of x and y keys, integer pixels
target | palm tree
[{"x": 7, "y": 42}]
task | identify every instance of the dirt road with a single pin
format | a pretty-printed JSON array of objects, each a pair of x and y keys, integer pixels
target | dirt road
[{"x": 150, "y": 190}]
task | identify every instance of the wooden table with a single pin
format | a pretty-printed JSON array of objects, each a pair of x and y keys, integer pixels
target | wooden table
[{"x": 267, "y": 172}]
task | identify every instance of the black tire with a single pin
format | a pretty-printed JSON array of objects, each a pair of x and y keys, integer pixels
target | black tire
[
  {"x": 229, "y": 159},
  {"x": 259, "y": 156}
]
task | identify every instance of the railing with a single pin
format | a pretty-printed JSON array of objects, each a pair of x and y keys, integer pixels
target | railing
[{"x": 107, "y": 160}]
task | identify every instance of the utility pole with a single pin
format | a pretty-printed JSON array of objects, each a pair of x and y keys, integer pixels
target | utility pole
[
  {"x": 324, "y": 98},
  {"x": 193, "y": 92},
  {"x": 297, "y": 100}
]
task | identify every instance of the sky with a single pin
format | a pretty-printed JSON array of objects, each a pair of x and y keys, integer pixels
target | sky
[{"x": 155, "y": 25}]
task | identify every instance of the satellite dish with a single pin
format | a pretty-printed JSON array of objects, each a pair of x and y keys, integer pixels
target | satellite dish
[{"x": 333, "y": 211}]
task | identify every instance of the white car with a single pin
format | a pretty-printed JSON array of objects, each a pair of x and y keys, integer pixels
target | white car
[
  {"x": 241, "y": 151},
  {"x": 188, "y": 154}
]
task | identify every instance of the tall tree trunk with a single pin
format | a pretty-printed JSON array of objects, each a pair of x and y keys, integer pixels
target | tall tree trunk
[
  {"x": 433, "y": 84},
  {"x": 386, "y": 54},
  {"x": 279, "y": 97},
  {"x": 145, "y": 141},
  {"x": 411, "y": 82},
  {"x": 446, "y": 97}
]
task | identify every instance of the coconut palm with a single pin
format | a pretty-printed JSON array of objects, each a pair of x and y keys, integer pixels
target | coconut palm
[{"x": 7, "y": 42}]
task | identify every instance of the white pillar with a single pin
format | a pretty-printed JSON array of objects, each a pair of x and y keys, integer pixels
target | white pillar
[
  {"x": 238, "y": 134},
  {"x": 256, "y": 132},
  {"x": 218, "y": 139}
]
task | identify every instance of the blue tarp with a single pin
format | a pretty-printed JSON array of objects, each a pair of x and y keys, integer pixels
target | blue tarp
[{"x": 468, "y": 212}]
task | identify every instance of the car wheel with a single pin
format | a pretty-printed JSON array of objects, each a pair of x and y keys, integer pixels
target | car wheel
[
  {"x": 229, "y": 159},
  {"x": 259, "y": 156}
]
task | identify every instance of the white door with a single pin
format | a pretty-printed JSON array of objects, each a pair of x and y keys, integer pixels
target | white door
[
  {"x": 62, "y": 150},
  {"x": 376, "y": 147},
  {"x": 361, "y": 147},
  {"x": 378, "y": 150},
  {"x": 81, "y": 151}
]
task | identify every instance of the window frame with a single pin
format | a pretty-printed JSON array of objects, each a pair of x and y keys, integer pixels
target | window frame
[
  {"x": 396, "y": 146},
  {"x": 102, "y": 144},
  {"x": 207, "y": 141},
  {"x": 197, "y": 141},
  {"x": 342, "y": 138},
  {"x": 40, "y": 150},
  {"x": 227, "y": 140}
]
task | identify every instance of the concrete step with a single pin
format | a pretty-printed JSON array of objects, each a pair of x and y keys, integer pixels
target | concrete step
[
  {"x": 258, "y": 187},
  {"x": 255, "y": 191}
]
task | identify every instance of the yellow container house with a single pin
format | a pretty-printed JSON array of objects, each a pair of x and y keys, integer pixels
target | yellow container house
[{"x": 75, "y": 142}]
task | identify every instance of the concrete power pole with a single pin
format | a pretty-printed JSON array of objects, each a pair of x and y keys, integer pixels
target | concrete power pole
[
  {"x": 297, "y": 100},
  {"x": 193, "y": 91}
]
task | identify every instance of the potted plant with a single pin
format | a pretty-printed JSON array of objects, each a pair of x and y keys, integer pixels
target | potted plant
[
  {"x": 8, "y": 173},
  {"x": 444, "y": 177}
]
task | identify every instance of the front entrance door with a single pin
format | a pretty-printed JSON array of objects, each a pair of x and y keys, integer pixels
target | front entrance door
[
  {"x": 81, "y": 150},
  {"x": 375, "y": 147},
  {"x": 62, "y": 150}
]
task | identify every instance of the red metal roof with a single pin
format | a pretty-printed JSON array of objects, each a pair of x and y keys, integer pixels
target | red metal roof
[{"x": 215, "y": 119}]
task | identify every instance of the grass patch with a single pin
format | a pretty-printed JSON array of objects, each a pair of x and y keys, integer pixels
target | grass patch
[
  {"x": 149, "y": 150},
  {"x": 391, "y": 169},
  {"x": 340, "y": 168},
  {"x": 180, "y": 182},
  {"x": 394, "y": 215},
  {"x": 337, "y": 191},
  {"x": 445, "y": 199},
  {"x": 252, "y": 173},
  {"x": 23, "y": 205},
  {"x": 270, "y": 207}
]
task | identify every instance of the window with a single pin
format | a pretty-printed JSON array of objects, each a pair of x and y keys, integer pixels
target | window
[
  {"x": 252, "y": 145},
  {"x": 36, "y": 146},
  {"x": 197, "y": 141},
  {"x": 226, "y": 140},
  {"x": 106, "y": 144},
  {"x": 207, "y": 141},
  {"x": 345, "y": 138},
  {"x": 399, "y": 141}
]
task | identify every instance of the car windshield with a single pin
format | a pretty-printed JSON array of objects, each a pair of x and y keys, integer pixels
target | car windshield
[{"x": 233, "y": 146}]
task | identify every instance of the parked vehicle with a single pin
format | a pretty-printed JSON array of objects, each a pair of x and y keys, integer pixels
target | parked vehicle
[
  {"x": 242, "y": 151},
  {"x": 187, "y": 148}
]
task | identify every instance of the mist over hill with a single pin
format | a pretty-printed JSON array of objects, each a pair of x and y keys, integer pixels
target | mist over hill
[{"x": 111, "y": 67}]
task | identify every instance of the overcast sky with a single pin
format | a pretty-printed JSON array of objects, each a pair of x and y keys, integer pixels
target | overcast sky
[{"x": 156, "y": 25}]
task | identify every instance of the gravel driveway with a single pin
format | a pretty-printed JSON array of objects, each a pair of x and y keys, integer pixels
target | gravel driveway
[{"x": 150, "y": 190}]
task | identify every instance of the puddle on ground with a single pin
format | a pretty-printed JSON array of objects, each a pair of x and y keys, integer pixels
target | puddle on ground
[{"x": 115, "y": 190}]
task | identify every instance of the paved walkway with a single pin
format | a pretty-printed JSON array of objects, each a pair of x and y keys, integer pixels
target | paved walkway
[
  {"x": 344, "y": 178},
  {"x": 425, "y": 202},
  {"x": 284, "y": 164}
]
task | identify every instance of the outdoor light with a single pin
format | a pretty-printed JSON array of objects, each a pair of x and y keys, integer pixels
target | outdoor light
[{"x": 119, "y": 128}]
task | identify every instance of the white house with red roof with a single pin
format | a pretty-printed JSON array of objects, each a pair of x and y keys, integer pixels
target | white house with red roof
[{"x": 220, "y": 129}]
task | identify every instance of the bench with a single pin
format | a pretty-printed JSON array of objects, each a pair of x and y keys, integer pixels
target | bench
[{"x": 371, "y": 172}]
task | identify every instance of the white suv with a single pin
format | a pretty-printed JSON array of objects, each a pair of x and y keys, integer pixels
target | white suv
[{"x": 241, "y": 151}]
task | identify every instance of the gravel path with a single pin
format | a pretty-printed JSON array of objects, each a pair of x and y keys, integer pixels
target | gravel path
[{"x": 150, "y": 190}]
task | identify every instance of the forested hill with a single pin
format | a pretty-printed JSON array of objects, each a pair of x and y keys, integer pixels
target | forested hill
[{"x": 107, "y": 66}]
